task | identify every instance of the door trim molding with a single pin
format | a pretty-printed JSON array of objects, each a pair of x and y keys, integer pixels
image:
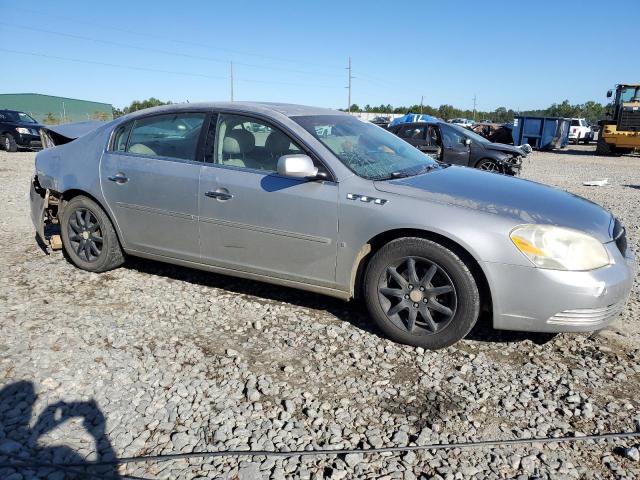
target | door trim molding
[
  {"x": 159, "y": 211},
  {"x": 271, "y": 231}
]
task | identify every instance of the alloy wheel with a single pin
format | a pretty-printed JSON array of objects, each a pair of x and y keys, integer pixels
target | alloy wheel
[
  {"x": 489, "y": 166},
  {"x": 417, "y": 295},
  {"x": 7, "y": 144},
  {"x": 85, "y": 235}
]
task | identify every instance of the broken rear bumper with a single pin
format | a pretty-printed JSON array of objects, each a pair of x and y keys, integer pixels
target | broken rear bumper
[{"x": 39, "y": 198}]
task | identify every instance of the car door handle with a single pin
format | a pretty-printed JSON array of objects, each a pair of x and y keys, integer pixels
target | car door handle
[
  {"x": 219, "y": 195},
  {"x": 119, "y": 178}
]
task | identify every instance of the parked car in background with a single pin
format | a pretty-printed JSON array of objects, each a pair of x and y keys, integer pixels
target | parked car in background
[
  {"x": 254, "y": 190},
  {"x": 462, "y": 122},
  {"x": 450, "y": 143},
  {"x": 382, "y": 121},
  {"x": 580, "y": 131},
  {"x": 18, "y": 130}
]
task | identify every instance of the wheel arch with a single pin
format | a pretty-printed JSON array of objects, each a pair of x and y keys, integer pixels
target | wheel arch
[
  {"x": 483, "y": 158},
  {"x": 71, "y": 193},
  {"x": 381, "y": 239}
]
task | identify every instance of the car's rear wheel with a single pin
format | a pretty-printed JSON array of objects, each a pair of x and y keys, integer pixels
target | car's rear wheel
[
  {"x": 9, "y": 143},
  {"x": 421, "y": 293},
  {"x": 488, "y": 164},
  {"x": 88, "y": 236}
]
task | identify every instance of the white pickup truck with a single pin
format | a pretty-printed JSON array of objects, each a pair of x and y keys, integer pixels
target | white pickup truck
[{"x": 580, "y": 131}]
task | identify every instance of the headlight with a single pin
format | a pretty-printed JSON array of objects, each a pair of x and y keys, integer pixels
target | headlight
[
  {"x": 23, "y": 131},
  {"x": 559, "y": 248}
]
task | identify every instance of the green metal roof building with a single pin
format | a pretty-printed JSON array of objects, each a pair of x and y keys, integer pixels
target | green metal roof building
[{"x": 54, "y": 110}]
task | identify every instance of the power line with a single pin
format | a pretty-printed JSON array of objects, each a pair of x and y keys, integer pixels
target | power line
[
  {"x": 162, "y": 37},
  {"x": 154, "y": 70},
  {"x": 163, "y": 52},
  {"x": 349, "y": 86}
]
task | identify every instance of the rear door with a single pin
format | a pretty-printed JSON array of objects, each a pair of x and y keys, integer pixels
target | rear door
[
  {"x": 149, "y": 177},
  {"x": 254, "y": 220}
]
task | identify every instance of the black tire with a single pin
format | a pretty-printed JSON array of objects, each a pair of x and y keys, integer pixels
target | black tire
[
  {"x": 88, "y": 236},
  {"x": 384, "y": 293},
  {"x": 602, "y": 147},
  {"x": 586, "y": 140},
  {"x": 9, "y": 143},
  {"x": 576, "y": 140},
  {"x": 488, "y": 165}
]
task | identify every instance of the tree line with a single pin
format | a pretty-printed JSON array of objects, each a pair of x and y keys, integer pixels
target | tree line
[{"x": 592, "y": 111}]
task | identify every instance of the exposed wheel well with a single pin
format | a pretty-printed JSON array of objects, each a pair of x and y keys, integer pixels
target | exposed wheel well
[{"x": 382, "y": 239}]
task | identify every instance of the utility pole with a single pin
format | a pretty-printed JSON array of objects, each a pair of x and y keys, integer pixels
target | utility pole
[
  {"x": 475, "y": 98},
  {"x": 231, "y": 77},
  {"x": 421, "y": 102},
  {"x": 349, "y": 87}
]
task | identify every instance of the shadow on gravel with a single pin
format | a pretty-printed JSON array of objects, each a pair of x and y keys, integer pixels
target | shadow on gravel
[
  {"x": 637, "y": 187},
  {"x": 19, "y": 448},
  {"x": 572, "y": 151},
  {"x": 353, "y": 312},
  {"x": 484, "y": 332}
]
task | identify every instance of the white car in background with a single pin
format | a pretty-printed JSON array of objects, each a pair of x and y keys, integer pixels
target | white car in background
[
  {"x": 462, "y": 122},
  {"x": 580, "y": 131}
]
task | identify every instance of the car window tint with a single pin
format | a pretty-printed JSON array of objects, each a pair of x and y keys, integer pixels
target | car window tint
[
  {"x": 414, "y": 132},
  {"x": 172, "y": 135},
  {"x": 575, "y": 123},
  {"x": 251, "y": 143},
  {"x": 120, "y": 136}
]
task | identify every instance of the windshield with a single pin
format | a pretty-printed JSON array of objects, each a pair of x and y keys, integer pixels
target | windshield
[
  {"x": 630, "y": 94},
  {"x": 470, "y": 134},
  {"x": 366, "y": 149},
  {"x": 25, "y": 118}
]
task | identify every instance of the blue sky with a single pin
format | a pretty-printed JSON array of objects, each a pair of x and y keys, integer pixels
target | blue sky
[{"x": 518, "y": 54}]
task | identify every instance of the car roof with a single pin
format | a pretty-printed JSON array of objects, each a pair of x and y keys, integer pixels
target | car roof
[{"x": 287, "y": 109}]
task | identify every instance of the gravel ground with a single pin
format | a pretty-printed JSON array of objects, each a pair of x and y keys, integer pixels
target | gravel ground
[{"x": 152, "y": 358}]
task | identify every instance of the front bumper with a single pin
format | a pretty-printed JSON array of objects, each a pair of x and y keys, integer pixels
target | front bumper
[
  {"x": 538, "y": 300},
  {"x": 28, "y": 141}
]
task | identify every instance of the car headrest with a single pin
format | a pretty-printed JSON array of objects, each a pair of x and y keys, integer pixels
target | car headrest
[
  {"x": 277, "y": 142},
  {"x": 238, "y": 142}
]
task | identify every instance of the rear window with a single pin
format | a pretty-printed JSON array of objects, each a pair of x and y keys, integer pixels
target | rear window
[
  {"x": 172, "y": 135},
  {"x": 575, "y": 123}
]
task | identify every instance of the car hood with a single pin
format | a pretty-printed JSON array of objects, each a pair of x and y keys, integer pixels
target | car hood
[
  {"x": 502, "y": 147},
  {"x": 521, "y": 200}
]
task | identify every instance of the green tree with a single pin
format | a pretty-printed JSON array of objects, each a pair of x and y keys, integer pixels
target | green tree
[
  {"x": 50, "y": 119},
  {"x": 354, "y": 108}
]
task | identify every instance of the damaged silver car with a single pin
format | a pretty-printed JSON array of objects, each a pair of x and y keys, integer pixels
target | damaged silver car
[{"x": 315, "y": 199}]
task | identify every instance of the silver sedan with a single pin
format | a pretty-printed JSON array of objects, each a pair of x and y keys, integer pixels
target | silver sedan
[{"x": 315, "y": 199}]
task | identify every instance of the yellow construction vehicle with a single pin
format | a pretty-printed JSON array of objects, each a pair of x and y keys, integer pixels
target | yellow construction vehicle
[{"x": 620, "y": 130}]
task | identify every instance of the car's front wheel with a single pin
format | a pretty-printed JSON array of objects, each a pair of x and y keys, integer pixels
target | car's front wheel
[
  {"x": 9, "y": 143},
  {"x": 488, "y": 164},
  {"x": 88, "y": 236},
  {"x": 421, "y": 293}
]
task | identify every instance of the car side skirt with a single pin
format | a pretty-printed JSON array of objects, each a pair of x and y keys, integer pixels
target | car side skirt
[{"x": 332, "y": 292}]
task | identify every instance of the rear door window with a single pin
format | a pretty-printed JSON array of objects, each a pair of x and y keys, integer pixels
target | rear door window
[
  {"x": 413, "y": 132},
  {"x": 119, "y": 142},
  {"x": 174, "y": 135}
]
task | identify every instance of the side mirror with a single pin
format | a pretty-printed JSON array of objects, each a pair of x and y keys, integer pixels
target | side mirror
[
  {"x": 467, "y": 141},
  {"x": 297, "y": 166},
  {"x": 609, "y": 94}
]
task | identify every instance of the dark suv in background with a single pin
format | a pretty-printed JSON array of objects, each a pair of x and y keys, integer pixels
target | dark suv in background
[
  {"x": 452, "y": 144},
  {"x": 18, "y": 130}
]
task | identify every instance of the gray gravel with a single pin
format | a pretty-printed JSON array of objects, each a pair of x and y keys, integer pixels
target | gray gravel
[{"x": 152, "y": 358}]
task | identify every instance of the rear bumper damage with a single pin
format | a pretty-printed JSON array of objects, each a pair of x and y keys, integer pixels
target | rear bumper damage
[{"x": 39, "y": 199}]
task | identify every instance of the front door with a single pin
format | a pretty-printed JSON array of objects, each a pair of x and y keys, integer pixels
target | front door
[
  {"x": 150, "y": 179},
  {"x": 254, "y": 220},
  {"x": 454, "y": 148}
]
